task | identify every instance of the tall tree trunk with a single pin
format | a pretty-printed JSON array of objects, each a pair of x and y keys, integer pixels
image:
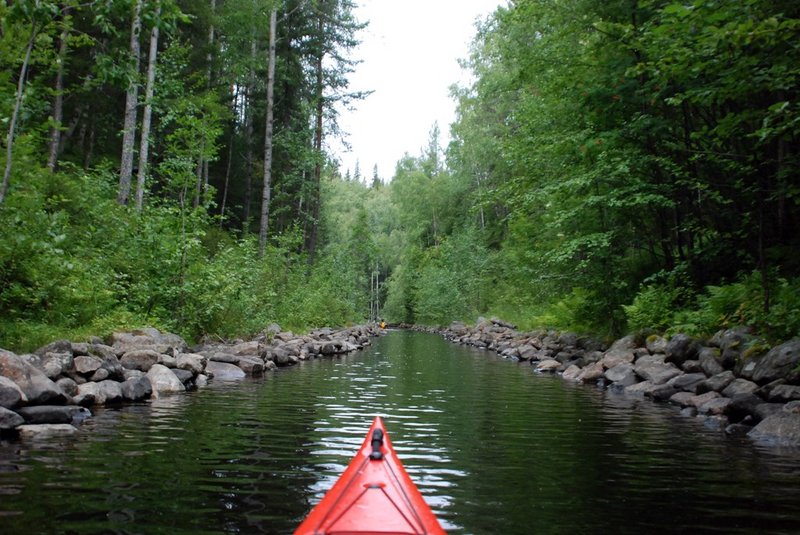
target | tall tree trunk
[
  {"x": 266, "y": 191},
  {"x": 248, "y": 134},
  {"x": 23, "y": 73},
  {"x": 131, "y": 98},
  {"x": 227, "y": 178},
  {"x": 317, "y": 178},
  {"x": 202, "y": 164},
  {"x": 144, "y": 146},
  {"x": 58, "y": 104}
]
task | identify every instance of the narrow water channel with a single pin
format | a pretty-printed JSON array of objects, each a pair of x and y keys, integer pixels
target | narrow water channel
[{"x": 493, "y": 448}]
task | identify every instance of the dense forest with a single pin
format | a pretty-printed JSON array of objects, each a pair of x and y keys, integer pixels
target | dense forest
[{"x": 614, "y": 166}]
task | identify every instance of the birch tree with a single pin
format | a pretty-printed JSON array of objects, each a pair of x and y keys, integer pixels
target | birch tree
[
  {"x": 144, "y": 146},
  {"x": 266, "y": 190},
  {"x": 131, "y": 102}
]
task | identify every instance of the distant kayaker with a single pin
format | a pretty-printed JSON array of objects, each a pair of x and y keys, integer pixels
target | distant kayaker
[{"x": 383, "y": 324}]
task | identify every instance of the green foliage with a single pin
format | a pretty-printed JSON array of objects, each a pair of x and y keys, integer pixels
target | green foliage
[{"x": 742, "y": 303}]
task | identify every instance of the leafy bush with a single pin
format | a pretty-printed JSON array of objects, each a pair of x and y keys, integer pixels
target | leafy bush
[{"x": 742, "y": 303}]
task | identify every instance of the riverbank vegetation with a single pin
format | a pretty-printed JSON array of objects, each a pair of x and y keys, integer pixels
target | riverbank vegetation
[{"x": 613, "y": 166}]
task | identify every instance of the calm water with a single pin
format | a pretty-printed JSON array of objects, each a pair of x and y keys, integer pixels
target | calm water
[{"x": 494, "y": 449}]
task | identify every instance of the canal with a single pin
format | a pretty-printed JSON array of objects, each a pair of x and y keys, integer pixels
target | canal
[{"x": 493, "y": 447}]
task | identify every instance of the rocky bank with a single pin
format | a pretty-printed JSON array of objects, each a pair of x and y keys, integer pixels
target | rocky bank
[
  {"x": 731, "y": 380},
  {"x": 53, "y": 389}
]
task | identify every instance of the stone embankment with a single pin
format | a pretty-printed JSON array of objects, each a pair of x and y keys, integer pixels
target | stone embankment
[
  {"x": 731, "y": 380},
  {"x": 53, "y": 389}
]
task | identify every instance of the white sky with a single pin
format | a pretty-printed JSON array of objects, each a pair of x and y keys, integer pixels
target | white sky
[{"x": 409, "y": 54}]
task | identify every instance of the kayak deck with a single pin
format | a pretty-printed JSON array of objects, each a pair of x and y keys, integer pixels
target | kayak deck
[{"x": 374, "y": 495}]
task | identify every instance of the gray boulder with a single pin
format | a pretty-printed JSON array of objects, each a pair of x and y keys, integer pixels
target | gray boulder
[
  {"x": 744, "y": 405},
  {"x": 36, "y": 386},
  {"x": 136, "y": 389},
  {"x": 101, "y": 374},
  {"x": 591, "y": 373},
  {"x": 739, "y": 386},
  {"x": 717, "y": 407},
  {"x": 571, "y": 373},
  {"x": 782, "y": 362},
  {"x": 251, "y": 349},
  {"x": 192, "y": 362},
  {"x": 655, "y": 370},
  {"x": 709, "y": 358},
  {"x": 701, "y": 399},
  {"x": 656, "y": 344},
  {"x": 684, "y": 399},
  {"x": 68, "y": 386},
  {"x": 89, "y": 393},
  {"x": 225, "y": 371},
  {"x": 148, "y": 338},
  {"x": 716, "y": 383},
  {"x": 139, "y": 359},
  {"x": 220, "y": 356},
  {"x": 687, "y": 382},
  {"x": 11, "y": 395},
  {"x": 547, "y": 366},
  {"x": 681, "y": 348},
  {"x": 59, "y": 346},
  {"x": 784, "y": 393},
  {"x": 9, "y": 419},
  {"x": 622, "y": 374},
  {"x": 54, "y": 364},
  {"x": 184, "y": 376},
  {"x": 645, "y": 388},
  {"x": 86, "y": 365},
  {"x": 111, "y": 391},
  {"x": 164, "y": 381},
  {"x": 613, "y": 357},
  {"x": 782, "y": 429},
  {"x": 251, "y": 365}
]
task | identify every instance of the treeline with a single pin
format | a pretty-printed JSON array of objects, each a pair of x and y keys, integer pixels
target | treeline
[
  {"x": 614, "y": 166},
  {"x": 162, "y": 167}
]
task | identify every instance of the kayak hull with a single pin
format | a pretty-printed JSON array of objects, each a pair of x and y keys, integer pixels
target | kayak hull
[{"x": 374, "y": 495}]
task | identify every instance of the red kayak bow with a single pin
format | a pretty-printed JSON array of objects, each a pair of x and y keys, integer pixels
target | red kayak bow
[{"x": 374, "y": 495}]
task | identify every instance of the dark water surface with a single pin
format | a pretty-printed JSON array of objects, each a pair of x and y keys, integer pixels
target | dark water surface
[{"x": 493, "y": 448}]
